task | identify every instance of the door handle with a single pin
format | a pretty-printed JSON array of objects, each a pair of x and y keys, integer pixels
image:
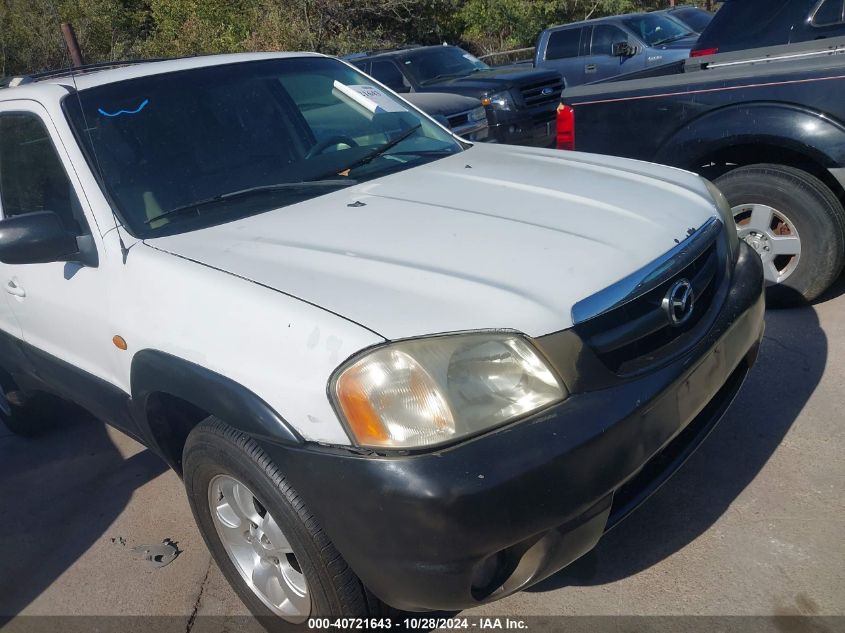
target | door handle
[
  {"x": 14, "y": 289},
  {"x": 590, "y": 68}
]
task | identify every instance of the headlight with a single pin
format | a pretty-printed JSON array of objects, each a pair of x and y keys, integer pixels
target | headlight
[
  {"x": 500, "y": 101},
  {"x": 435, "y": 390},
  {"x": 478, "y": 114},
  {"x": 725, "y": 213}
]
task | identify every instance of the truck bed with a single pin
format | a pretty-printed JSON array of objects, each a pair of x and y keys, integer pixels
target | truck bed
[{"x": 638, "y": 115}]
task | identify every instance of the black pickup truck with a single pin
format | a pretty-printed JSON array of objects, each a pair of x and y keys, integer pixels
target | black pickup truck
[
  {"x": 766, "y": 125},
  {"x": 520, "y": 101}
]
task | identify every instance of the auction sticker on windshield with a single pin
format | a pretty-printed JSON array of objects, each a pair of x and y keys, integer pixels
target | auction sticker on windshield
[{"x": 370, "y": 97}]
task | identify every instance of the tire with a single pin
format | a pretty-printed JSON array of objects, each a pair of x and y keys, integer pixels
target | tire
[
  {"x": 802, "y": 206},
  {"x": 30, "y": 414},
  {"x": 216, "y": 454}
]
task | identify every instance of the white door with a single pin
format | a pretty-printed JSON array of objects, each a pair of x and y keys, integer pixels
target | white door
[
  {"x": 61, "y": 307},
  {"x": 8, "y": 322}
]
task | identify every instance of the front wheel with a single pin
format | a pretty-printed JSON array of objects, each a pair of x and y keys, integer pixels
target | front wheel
[
  {"x": 266, "y": 543},
  {"x": 794, "y": 222}
]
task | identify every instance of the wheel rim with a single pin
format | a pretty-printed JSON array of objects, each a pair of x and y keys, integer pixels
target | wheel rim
[
  {"x": 773, "y": 236},
  {"x": 259, "y": 550}
]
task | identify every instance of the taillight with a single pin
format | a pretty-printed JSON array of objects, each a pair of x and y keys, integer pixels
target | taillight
[
  {"x": 565, "y": 127},
  {"x": 703, "y": 52}
]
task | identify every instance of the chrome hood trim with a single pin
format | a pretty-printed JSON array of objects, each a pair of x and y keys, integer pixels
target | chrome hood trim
[{"x": 650, "y": 276}]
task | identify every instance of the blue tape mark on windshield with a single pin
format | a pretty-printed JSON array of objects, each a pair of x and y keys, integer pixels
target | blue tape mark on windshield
[{"x": 119, "y": 112}]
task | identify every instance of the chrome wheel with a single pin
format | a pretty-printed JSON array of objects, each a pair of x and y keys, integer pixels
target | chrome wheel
[
  {"x": 774, "y": 237},
  {"x": 258, "y": 548}
]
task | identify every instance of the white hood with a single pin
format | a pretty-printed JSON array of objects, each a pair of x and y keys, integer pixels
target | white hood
[{"x": 495, "y": 237}]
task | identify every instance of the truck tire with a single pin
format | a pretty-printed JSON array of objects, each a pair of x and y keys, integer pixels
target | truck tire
[
  {"x": 794, "y": 222},
  {"x": 258, "y": 528}
]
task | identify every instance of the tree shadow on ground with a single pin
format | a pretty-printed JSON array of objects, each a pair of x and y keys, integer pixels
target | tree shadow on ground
[{"x": 59, "y": 493}]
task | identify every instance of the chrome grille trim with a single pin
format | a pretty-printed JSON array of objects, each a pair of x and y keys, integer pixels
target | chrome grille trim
[
  {"x": 532, "y": 94},
  {"x": 650, "y": 276}
]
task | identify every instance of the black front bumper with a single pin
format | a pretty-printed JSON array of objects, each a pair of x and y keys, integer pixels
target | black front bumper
[
  {"x": 532, "y": 127},
  {"x": 474, "y": 522}
]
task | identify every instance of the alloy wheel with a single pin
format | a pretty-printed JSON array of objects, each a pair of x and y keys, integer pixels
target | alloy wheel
[
  {"x": 258, "y": 548},
  {"x": 773, "y": 236}
]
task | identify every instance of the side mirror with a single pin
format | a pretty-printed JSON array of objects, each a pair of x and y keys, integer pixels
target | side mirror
[
  {"x": 623, "y": 49},
  {"x": 36, "y": 238}
]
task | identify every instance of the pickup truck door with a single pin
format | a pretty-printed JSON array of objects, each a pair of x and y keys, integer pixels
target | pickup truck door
[
  {"x": 601, "y": 63},
  {"x": 62, "y": 307},
  {"x": 564, "y": 52}
]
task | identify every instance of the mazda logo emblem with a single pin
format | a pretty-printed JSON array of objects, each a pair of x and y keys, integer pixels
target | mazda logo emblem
[
  {"x": 547, "y": 91},
  {"x": 678, "y": 302}
]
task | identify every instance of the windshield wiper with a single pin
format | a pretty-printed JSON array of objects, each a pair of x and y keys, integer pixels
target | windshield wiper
[
  {"x": 424, "y": 152},
  {"x": 375, "y": 153},
  {"x": 282, "y": 186},
  {"x": 439, "y": 77},
  {"x": 674, "y": 38}
]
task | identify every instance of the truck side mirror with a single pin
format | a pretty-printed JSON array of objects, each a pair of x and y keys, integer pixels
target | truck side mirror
[
  {"x": 623, "y": 49},
  {"x": 36, "y": 238}
]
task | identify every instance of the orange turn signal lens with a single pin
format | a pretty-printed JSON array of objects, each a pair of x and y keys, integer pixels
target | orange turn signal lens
[
  {"x": 389, "y": 400},
  {"x": 486, "y": 101},
  {"x": 363, "y": 420},
  {"x": 434, "y": 390}
]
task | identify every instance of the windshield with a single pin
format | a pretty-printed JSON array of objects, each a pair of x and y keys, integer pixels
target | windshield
[
  {"x": 184, "y": 150},
  {"x": 741, "y": 24},
  {"x": 428, "y": 65},
  {"x": 656, "y": 29},
  {"x": 696, "y": 19}
]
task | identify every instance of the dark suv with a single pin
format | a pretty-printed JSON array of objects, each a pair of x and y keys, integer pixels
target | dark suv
[
  {"x": 520, "y": 101},
  {"x": 744, "y": 24},
  {"x": 693, "y": 17}
]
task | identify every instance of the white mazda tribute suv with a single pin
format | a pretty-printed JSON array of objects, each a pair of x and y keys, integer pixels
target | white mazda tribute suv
[{"x": 392, "y": 367}]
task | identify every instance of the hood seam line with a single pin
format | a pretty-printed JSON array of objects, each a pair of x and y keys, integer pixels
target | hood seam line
[{"x": 258, "y": 283}]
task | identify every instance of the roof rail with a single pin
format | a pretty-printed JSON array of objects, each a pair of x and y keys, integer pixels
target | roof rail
[
  {"x": 769, "y": 54},
  {"x": 10, "y": 82}
]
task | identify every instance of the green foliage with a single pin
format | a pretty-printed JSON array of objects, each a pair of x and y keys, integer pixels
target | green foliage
[
  {"x": 30, "y": 35},
  {"x": 497, "y": 25},
  {"x": 191, "y": 27}
]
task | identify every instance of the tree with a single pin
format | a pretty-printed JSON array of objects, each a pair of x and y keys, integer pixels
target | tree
[
  {"x": 30, "y": 37},
  {"x": 496, "y": 25}
]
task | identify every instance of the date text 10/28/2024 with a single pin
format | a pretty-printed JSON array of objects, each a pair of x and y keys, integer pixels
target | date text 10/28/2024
[{"x": 421, "y": 623}]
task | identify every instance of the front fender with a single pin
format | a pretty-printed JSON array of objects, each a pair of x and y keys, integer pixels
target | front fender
[
  {"x": 789, "y": 126},
  {"x": 154, "y": 371}
]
